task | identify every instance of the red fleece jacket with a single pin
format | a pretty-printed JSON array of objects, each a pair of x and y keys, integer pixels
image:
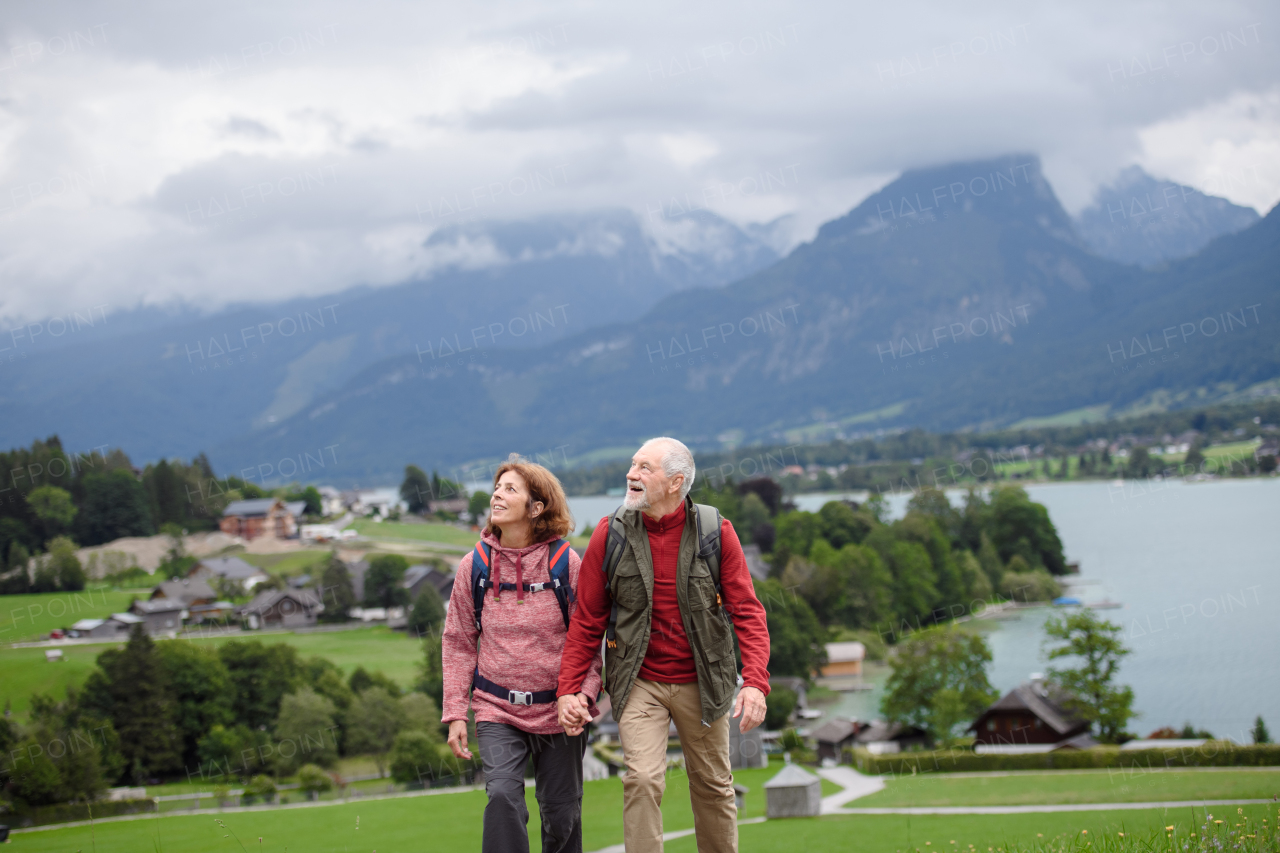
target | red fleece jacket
[{"x": 668, "y": 659}]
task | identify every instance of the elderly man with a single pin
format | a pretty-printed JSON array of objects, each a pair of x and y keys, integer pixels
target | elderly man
[{"x": 665, "y": 581}]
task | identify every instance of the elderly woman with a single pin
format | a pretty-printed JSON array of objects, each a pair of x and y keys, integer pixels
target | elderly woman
[{"x": 503, "y": 657}]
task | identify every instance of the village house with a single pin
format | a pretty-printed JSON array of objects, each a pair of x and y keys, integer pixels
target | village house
[
  {"x": 115, "y": 625},
  {"x": 262, "y": 517},
  {"x": 1031, "y": 717},
  {"x": 187, "y": 592},
  {"x": 844, "y": 659},
  {"x": 415, "y": 577},
  {"x": 282, "y": 608},
  {"x": 879, "y": 738},
  {"x": 229, "y": 569},
  {"x": 835, "y": 736},
  {"x": 160, "y": 616}
]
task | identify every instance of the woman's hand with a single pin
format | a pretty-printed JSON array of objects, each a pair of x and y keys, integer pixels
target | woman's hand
[{"x": 458, "y": 739}]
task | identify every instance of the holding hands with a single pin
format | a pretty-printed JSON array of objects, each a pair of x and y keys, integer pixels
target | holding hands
[{"x": 573, "y": 712}]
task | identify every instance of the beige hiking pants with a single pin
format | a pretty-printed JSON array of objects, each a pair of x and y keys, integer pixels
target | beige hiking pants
[{"x": 643, "y": 731}]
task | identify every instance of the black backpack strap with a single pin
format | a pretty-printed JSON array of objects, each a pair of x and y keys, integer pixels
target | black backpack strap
[
  {"x": 613, "y": 550},
  {"x": 480, "y": 556}
]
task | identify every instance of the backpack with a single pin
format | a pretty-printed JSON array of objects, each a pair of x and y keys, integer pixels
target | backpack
[
  {"x": 557, "y": 563},
  {"x": 708, "y": 549}
]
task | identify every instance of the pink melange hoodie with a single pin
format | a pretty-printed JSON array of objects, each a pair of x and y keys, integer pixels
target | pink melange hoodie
[{"x": 520, "y": 645}]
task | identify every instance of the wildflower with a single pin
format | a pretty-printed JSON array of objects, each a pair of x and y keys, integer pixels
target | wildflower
[
  {"x": 1168, "y": 828},
  {"x": 1122, "y": 835},
  {"x": 1084, "y": 832}
]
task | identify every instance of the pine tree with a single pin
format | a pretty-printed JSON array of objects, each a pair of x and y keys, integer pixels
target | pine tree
[
  {"x": 337, "y": 593},
  {"x": 132, "y": 687},
  {"x": 1260, "y": 733}
]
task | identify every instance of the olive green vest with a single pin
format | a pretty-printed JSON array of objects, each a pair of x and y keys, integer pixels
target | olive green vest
[{"x": 706, "y": 624}]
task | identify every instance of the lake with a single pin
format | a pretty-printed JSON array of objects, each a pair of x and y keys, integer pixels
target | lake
[{"x": 1195, "y": 567}]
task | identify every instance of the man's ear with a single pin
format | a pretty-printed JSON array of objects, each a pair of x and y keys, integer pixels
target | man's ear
[{"x": 677, "y": 483}]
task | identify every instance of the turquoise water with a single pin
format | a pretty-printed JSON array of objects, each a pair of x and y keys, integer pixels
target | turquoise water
[{"x": 1197, "y": 569}]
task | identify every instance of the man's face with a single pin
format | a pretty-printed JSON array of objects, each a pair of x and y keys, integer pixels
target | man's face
[{"x": 647, "y": 483}]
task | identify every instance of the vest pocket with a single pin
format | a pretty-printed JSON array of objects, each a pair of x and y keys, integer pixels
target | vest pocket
[{"x": 628, "y": 588}]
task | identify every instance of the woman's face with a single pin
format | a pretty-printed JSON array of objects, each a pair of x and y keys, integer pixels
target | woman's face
[{"x": 510, "y": 501}]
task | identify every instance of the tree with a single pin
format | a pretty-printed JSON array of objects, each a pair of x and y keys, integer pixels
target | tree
[
  {"x": 989, "y": 560},
  {"x": 361, "y": 680},
  {"x": 309, "y": 496},
  {"x": 53, "y": 507},
  {"x": 796, "y": 637},
  {"x": 478, "y": 505},
  {"x": 935, "y": 504},
  {"x": 840, "y": 525},
  {"x": 261, "y": 676},
  {"x": 1259, "y": 732},
  {"x": 131, "y": 688},
  {"x": 114, "y": 505},
  {"x": 939, "y": 680},
  {"x": 81, "y": 756},
  {"x": 414, "y": 755},
  {"x": 420, "y": 713},
  {"x": 427, "y": 614},
  {"x": 305, "y": 731},
  {"x": 1140, "y": 464},
  {"x": 325, "y": 678},
  {"x": 336, "y": 590},
  {"x": 382, "y": 582},
  {"x": 64, "y": 565},
  {"x": 1013, "y": 517},
  {"x": 201, "y": 689},
  {"x": 372, "y": 724},
  {"x": 314, "y": 781},
  {"x": 1090, "y": 686},
  {"x": 415, "y": 490},
  {"x": 1020, "y": 583},
  {"x": 431, "y": 669}
]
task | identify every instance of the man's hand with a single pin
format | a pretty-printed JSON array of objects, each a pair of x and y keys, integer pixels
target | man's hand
[
  {"x": 750, "y": 706},
  {"x": 458, "y": 738},
  {"x": 573, "y": 712}
]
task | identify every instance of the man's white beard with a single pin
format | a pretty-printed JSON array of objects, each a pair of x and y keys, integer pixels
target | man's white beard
[{"x": 636, "y": 500}]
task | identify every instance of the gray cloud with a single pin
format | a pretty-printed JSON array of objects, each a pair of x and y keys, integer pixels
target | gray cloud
[{"x": 209, "y": 153}]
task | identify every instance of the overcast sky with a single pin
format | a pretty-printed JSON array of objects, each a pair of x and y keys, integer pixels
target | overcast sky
[{"x": 232, "y": 151}]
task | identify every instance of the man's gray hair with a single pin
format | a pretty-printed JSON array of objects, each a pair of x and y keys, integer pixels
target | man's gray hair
[{"x": 678, "y": 459}]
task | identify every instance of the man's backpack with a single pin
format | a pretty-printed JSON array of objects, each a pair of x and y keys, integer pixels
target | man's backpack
[
  {"x": 708, "y": 536},
  {"x": 557, "y": 563}
]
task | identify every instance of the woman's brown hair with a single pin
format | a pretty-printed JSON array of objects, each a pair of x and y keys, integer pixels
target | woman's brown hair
[{"x": 554, "y": 522}]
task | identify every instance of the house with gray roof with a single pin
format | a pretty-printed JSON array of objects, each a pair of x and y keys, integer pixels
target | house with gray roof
[
  {"x": 160, "y": 615},
  {"x": 228, "y": 568},
  {"x": 282, "y": 608},
  {"x": 415, "y": 577},
  {"x": 187, "y": 591}
]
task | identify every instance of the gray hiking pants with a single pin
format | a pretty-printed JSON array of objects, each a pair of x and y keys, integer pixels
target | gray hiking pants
[{"x": 557, "y": 774}]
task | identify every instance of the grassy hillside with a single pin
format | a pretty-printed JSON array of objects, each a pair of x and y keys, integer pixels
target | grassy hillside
[
  {"x": 1101, "y": 786},
  {"x": 33, "y": 616},
  {"x": 377, "y": 649},
  {"x": 452, "y": 821}
]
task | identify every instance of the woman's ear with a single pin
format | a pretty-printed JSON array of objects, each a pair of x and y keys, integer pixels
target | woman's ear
[{"x": 536, "y": 509}]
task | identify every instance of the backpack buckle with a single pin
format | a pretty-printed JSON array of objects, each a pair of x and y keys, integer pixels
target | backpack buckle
[{"x": 519, "y": 697}]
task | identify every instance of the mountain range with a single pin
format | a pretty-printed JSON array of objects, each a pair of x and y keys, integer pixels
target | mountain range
[
  {"x": 165, "y": 383},
  {"x": 1141, "y": 220},
  {"x": 959, "y": 296}
]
